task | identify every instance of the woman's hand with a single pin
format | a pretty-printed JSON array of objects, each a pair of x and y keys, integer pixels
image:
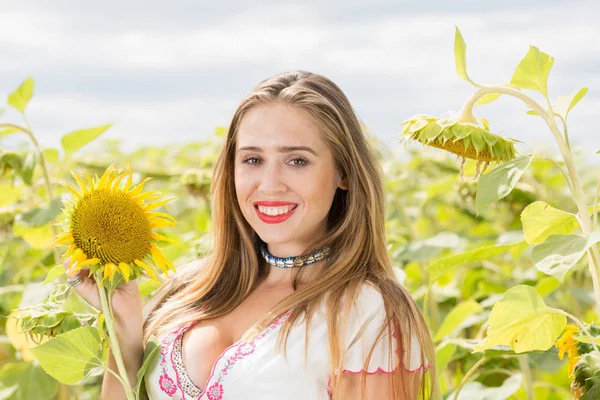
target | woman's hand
[{"x": 126, "y": 301}]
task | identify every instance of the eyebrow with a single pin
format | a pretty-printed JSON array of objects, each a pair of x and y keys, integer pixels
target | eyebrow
[{"x": 281, "y": 149}]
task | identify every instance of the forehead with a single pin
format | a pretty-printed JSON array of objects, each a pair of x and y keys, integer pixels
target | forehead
[{"x": 275, "y": 124}]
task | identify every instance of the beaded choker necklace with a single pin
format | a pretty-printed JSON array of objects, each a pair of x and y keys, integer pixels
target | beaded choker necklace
[{"x": 298, "y": 261}]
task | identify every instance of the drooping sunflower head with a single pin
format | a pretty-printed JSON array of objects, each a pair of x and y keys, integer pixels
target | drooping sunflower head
[
  {"x": 566, "y": 344},
  {"x": 465, "y": 139},
  {"x": 111, "y": 226}
]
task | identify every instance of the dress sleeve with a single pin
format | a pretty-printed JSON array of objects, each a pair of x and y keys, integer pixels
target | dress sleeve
[{"x": 366, "y": 319}]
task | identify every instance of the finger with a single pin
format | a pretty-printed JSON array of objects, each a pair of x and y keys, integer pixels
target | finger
[{"x": 87, "y": 288}]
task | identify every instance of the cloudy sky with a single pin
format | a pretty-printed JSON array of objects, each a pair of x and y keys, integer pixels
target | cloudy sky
[{"x": 171, "y": 73}]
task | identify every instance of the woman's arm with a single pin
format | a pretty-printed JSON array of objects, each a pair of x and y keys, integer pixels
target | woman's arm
[
  {"x": 377, "y": 386},
  {"x": 130, "y": 337}
]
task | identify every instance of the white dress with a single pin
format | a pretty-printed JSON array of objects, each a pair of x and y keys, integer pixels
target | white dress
[{"x": 256, "y": 370}]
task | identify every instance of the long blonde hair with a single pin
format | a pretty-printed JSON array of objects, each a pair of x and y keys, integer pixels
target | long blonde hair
[{"x": 356, "y": 233}]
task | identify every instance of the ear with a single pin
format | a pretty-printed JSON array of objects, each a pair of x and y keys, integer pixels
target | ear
[{"x": 343, "y": 182}]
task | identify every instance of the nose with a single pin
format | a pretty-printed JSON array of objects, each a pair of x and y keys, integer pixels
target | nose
[{"x": 272, "y": 179}]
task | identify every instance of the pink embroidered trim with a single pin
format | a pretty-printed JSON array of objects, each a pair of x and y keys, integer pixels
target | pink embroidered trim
[
  {"x": 242, "y": 350},
  {"x": 215, "y": 390},
  {"x": 165, "y": 382},
  {"x": 379, "y": 369}
]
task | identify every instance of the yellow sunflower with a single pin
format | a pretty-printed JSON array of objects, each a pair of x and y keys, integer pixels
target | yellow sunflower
[
  {"x": 111, "y": 226},
  {"x": 566, "y": 344},
  {"x": 465, "y": 139}
]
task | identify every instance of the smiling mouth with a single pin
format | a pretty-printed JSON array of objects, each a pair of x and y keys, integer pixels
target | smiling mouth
[{"x": 291, "y": 209}]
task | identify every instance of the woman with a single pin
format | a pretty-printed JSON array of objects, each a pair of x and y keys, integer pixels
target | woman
[{"x": 298, "y": 299}]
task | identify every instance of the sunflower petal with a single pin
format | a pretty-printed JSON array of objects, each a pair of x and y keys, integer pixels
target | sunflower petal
[
  {"x": 90, "y": 181},
  {"x": 161, "y": 223},
  {"x": 151, "y": 206},
  {"x": 90, "y": 261},
  {"x": 109, "y": 271},
  {"x": 136, "y": 190},
  {"x": 129, "y": 178},
  {"x": 147, "y": 195},
  {"x": 80, "y": 182},
  {"x": 160, "y": 259},
  {"x": 106, "y": 176},
  {"x": 65, "y": 238},
  {"x": 148, "y": 270},
  {"x": 162, "y": 238},
  {"x": 152, "y": 214},
  {"x": 125, "y": 270},
  {"x": 73, "y": 191}
]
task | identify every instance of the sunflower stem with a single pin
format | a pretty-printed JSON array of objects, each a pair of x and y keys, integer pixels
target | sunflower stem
[
  {"x": 581, "y": 326},
  {"x": 27, "y": 130},
  {"x": 468, "y": 375},
  {"x": 576, "y": 188},
  {"x": 114, "y": 342},
  {"x": 527, "y": 376}
]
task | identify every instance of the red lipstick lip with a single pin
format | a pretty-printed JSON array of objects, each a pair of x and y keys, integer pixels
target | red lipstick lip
[
  {"x": 273, "y": 203},
  {"x": 270, "y": 219}
]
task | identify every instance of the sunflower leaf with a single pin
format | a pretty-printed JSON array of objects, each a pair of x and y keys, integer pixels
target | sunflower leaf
[
  {"x": 540, "y": 220},
  {"x": 559, "y": 253},
  {"x": 533, "y": 71},
  {"x": 460, "y": 57},
  {"x": 566, "y": 103},
  {"x": 28, "y": 167},
  {"x": 25, "y": 380},
  {"x": 69, "y": 357},
  {"x": 150, "y": 355},
  {"x": 73, "y": 141},
  {"x": 40, "y": 216},
  {"x": 498, "y": 183},
  {"x": 523, "y": 321},
  {"x": 21, "y": 96}
]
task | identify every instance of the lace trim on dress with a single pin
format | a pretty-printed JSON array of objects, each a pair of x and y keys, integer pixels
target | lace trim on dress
[{"x": 186, "y": 383}]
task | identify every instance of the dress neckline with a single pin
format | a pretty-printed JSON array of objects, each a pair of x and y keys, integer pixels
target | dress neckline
[{"x": 188, "y": 385}]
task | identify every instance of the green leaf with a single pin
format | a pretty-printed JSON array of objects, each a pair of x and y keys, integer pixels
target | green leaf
[
  {"x": 500, "y": 181},
  {"x": 73, "y": 141},
  {"x": 540, "y": 220},
  {"x": 547, "y": 285},
  {"x": 70, "y": 356},
  {"x": 11, "y": 160},
  {"x": 28, "y": 167},
  {"x": 221, "y": 131},
  {"x": 488, "y": 98},
  {"x": 456, "y": 317},
  {"x": 522, "y": 321},
  {"x": 10, "y": 193},
  {"x": 460, "y": 56},
  {"x": 9, "y": 130},
  {"x": 40, "y": 216},
  {"x": 40, "y": 237},
  {"x": 533, "y": 71},
  {"x": 150, "y": 355},
  {"x": 559, "y": 253},
  {"x": 566, "y": 103},
  {"x": 56, "y": 272},
  {"x": 51, "y": 155},
  {"x": 26, "y": 381},
  {"x": 147, "y": 287},
  {"x": 447, "y": 264},
  {"x": 443, "y": 355},
  {"x": 476, "y": 390},
  {"x": 20, "y": 97}
]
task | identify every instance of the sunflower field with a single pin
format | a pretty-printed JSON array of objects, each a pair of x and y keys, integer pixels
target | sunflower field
[{"x": 499, "y": 248}]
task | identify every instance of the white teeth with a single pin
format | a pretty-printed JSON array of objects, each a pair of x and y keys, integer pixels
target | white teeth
[{"x": 273, "y": 211}]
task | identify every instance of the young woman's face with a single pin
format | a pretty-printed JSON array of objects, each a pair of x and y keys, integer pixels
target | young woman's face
[{"x": 285, "y": 176}]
